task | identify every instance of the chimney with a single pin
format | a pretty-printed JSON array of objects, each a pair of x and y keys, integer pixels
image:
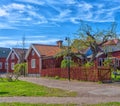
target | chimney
[{"x": 59, "y": 43}]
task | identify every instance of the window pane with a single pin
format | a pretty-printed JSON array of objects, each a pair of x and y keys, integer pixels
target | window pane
[
  {"x": 33, "y": 63},
  {"x": 0, "y": 65},
  {"x": 12, "y": 66}
]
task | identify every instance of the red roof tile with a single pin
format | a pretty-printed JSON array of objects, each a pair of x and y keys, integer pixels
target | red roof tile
[
  {"x": 111, "y": 42},
  {"x": 47, "y": 50}
]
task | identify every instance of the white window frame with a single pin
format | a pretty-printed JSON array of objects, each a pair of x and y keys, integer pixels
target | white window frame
[
  {"x": 33, "y": 63},
  {"x": 12, "y": 66},
  {"x": 1, "y": 65}
]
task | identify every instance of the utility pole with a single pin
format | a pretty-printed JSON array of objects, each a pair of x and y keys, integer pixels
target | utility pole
[
  {"x": 23, "y": 55},
  {"x": 68, "y": 56}
]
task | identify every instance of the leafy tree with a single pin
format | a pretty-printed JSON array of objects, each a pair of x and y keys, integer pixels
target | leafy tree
[
  {"x": 65, "y": 63},
  {"x": 87, "y": 38},
  {"x": 19, "y": 69}
]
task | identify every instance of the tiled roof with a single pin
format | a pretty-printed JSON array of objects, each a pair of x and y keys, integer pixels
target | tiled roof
[
  {"x": 111, "y": 42},
  {"x": 47, "y": 50},
  {"x": 20, "y": 51},
  {"x": 4, "y": 52}
]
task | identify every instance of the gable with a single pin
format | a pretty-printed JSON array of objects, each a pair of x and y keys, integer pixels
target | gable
[
  {"x": 12, "y": 51},
  {"x": 29, "y": 52}
]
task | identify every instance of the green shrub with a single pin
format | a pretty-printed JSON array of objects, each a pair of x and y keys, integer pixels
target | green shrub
[
  {"x": 56, "y": 77},
  {"x": 20, "y": 69},
  {"x": 88, "y": 64},
  {"x": 66, "y": 63},
  {"x": 107, "y": 62}
]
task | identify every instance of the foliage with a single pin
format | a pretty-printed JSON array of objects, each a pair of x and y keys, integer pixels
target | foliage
[
  {"x": 57, "y": 77},
  {"x": 88, "y": 64},
  {"x": 107, "y": 62},
  {"x": 65, "y": 63},
  {"x": 20, "y": 69},
  {"x": 86, "y": 38},
  {"x": 115, "y": 77},
  {"x": 22, "y": 88},
  {"x": 9, "y": 77}
]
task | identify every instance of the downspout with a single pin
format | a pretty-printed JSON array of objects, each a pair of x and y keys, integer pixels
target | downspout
[{"x": 40, "y": 65}]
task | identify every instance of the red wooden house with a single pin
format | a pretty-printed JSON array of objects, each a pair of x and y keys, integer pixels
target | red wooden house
[
  {"x": 111, "y": 50},
  {"x": 41, "y": 57},
  {"x": 16, "y": 55},
  {"x": 3, "y": 55}
]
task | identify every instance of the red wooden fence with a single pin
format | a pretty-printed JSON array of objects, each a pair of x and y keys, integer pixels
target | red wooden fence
[{"x": 79, "y": 73}]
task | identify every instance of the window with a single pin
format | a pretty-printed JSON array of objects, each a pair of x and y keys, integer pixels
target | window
[
  {"x": 0, "y": 65},
  {"x": 33, "y": 64},
  {"x": 100, "y": 62},
  {"x": 6, "y": 65},
  {"x": 13, "y": 56},
  {"x": 12, "y": 66},
  {"x": 117, "y": 62}
]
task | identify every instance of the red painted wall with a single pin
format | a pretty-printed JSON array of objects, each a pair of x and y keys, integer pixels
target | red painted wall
[
  {"x": 51, "y": 62},
  {"x": 10, "y": 60},
  {"x": 37, "y": 68},
  {"x": 3, "y": 69}
]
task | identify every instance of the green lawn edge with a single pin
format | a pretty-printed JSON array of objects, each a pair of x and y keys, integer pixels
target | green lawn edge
[
  {"x": 35, "y": 104},
  {"x": 23, "y": 88}
]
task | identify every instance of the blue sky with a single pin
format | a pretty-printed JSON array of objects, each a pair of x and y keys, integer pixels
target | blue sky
[{"x": 46, "y": 21}]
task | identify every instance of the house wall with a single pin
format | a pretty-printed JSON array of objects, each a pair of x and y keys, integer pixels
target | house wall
[
  {"x": 35, "y": 70},
  {"x": 3, "y": 68},
  {"x": 51, "y": 62},
  {"x": 116, "y": 54},
  {"x": 10, "y": 61}
]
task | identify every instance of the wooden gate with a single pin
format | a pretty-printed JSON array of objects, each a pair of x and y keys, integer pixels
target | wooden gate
[{"x": 104, "y": 74}]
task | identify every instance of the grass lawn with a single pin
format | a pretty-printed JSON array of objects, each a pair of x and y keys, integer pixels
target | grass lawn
[
  {"x": 22, "y": 88},
  {"x": 105, "y": 104},
  {"x": 28, "y": 104}
]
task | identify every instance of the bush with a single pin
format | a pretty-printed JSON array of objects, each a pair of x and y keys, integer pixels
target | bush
[
  {"x": 56, "y": 77},
  {"x": 66, "y": 63},
  {"x": 107, "y": 62},
  {"x": 19, "y": 69},
  {"x": 88, "y": 64}
]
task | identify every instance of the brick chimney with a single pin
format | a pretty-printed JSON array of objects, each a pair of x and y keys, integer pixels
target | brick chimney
[{"x": 59, "y": 43}]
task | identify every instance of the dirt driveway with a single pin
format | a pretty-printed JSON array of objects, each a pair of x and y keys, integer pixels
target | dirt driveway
[
  {"x": 88, "y": 92},
  {"x": 83, "y": 88}
]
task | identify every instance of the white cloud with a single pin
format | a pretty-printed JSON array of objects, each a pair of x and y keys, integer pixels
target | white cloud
[
  {"x": 34, "y": 36},
  {"x": 38, "y": 2},
  {"x": 14, "y": 6},
  {"x": 6, "y": 26},
  {"x": 3, "y": 37},
  {"x": 84, "y": 6},
  {"x": 3, "y": 12},
  {"x": 47, "y": 41}
]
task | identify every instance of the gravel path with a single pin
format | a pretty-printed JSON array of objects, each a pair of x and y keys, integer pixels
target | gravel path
[{"x": 88, "y": 92}]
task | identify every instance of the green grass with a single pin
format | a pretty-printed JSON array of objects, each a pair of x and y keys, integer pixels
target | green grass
[
  {"x": 22, "y": 88},
  {"x": 28, "y": 104},
  {"x": 105, "y": 104}
]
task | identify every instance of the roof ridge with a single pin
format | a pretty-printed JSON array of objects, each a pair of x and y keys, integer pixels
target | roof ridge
[{"x": 45, "y": 45}]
